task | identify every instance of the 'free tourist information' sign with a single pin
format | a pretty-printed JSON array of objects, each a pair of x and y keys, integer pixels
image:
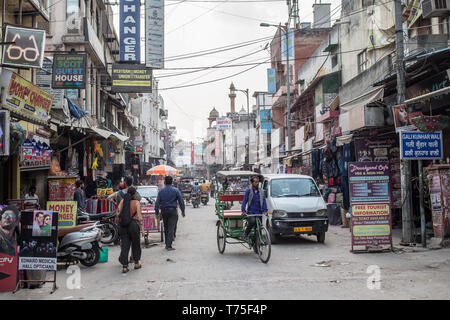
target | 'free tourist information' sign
[{"x": 415, "y": 145}]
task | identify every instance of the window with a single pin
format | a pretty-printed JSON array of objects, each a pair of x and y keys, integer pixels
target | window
[
  {"x": 363, "y": 63},
  {"x": 72, "y": 8},
  {"x": 293, "y": 187}
]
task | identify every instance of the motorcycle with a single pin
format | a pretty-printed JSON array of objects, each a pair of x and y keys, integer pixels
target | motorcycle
[
  {"x": 106, "y": 219},
  {"x": 195, "y": 200},
  {"x": 80, "y": 243},
  {"x": 204, "y": 197}
]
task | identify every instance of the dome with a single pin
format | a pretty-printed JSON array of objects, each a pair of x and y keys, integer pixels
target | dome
[
  {"x": 214, "y": 113},
  {"x": 242, "y": 112}
]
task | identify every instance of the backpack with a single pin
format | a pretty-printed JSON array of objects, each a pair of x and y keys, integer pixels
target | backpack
[{"x": 125, "y": 215}]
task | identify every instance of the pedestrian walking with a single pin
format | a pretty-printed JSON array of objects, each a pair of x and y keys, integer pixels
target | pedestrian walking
[
  {"x": 129, "y": 217},
  {"x": 79, "y": 195},
  {"x": 167, "y": 201}
]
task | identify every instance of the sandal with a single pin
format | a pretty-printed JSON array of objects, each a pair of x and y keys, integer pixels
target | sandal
[
  {"x": 125, "y": 269},
  {"x": 137, "y": 266}
]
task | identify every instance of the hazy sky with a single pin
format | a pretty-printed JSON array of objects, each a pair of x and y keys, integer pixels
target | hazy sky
[{"x": 195, "y": 26}]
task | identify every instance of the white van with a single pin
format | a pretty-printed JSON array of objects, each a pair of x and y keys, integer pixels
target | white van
[{"x": 295, "y": 206}]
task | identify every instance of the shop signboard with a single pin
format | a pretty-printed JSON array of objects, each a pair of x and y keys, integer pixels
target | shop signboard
[
  {"x": 130, "y": 50},
  {"x": 24, "y": 98},
  {"x": 38, "y": 240},
  {"x": 35, "y": 152},
  {"x": 8, "y": 250},
  {"x": 69, "y": 71},
  {"x": 290, "y": 45},
  {"x": 67, "y": 212},
  {"x": 271, "y": 80},
  {"x": 265, "y": 121},
  {"x": 131, "y": 78},
  {"x": 223, "y": 123},
  {"x": 4, "y": 132},
  {"x": 415, "y": 145},
  {"x": 44, "y": 81},
  {"x": 370, "y": 203},
  {"x": 154, "y": 34},
  {"x": 27, "y": 49}
]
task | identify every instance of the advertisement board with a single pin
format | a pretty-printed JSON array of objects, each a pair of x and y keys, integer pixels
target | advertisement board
[
  {"x": 271, "y": 80},
  {"x": 370, "y": 204},
  {"x": 27, "y": 49},
  {"x": 44, "y": 81},
  {"x": 69, "y": 71},
  {"x": 265, "y": 121},
  {"x": 154, "y": 34},
  {"x": 130, "y": 22},
  {"x": 24, "y": 98},
  {"x": 38, "y": 240},
  {"x": 131, "y": 78},
  {"x": 8, "y": 249},
  {"x": 415, "y": 145},
  {"x": 223, "y": 123},
  {"x": 67, "y": 212}
]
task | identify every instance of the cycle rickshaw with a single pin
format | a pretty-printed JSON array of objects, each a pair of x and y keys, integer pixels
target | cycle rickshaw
[{"x": 231, "y": 221}]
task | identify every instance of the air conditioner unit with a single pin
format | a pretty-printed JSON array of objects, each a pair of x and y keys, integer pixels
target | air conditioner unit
[{"x": 435, "y": 8}]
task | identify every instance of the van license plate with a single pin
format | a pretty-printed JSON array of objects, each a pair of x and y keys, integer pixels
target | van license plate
[{"x": 302, "y": 229}]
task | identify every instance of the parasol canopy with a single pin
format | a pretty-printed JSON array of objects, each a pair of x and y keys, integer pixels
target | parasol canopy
[{"x": 162, "y": 170}]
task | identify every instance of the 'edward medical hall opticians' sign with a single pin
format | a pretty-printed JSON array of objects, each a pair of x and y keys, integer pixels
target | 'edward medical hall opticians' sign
[{"x": 130, "y": 49}]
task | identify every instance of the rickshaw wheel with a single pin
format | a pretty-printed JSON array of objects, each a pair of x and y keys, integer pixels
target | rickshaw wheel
[
  {"x": 221, "y": 238},
  {"x": 264, "y": 245}
]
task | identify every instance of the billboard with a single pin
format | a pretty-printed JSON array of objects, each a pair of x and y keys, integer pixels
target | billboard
[
  {"x": 24, "y": 98},
  {"x": 130, "y": 49},
  {"x": 131, "y": 78},
  {"x": 271, "y": 80},
  {"x": 44, "y": 81},
  {"x": 265, "y": 120},
  {"x": 69, "y": 71},
  {"x": 27, "y": 49},
  {"x": 223, "y": 123},
  {"x": 154, "y": 34},
  {"x": 290, "y": 45},
  {"x": 67, "y": 212}
]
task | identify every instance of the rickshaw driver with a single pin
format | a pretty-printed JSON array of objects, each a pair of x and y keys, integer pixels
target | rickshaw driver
[{"x": 254, "y": 203}]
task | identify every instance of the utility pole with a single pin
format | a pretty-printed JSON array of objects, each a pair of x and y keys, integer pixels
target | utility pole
[
  {"x": 405, "y": 169},
  {"x": 288, "y": 80}
]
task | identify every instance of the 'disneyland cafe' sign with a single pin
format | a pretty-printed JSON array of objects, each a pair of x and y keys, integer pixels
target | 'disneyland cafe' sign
[
  {"x": 131, "y": 78},
  {"x": 130, "y": 49},
  {"x": 67, "y": 212},
  {"x": 27, "y": 49},
  {"x": 69, "y": 71},
  {"x": 24, "y": 98},
  {"x": 370, "y": 204}
]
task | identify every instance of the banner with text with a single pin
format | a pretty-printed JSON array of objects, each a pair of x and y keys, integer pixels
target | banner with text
[
  {"x": 130, "y": 21},
  {"x": 132, "y": 78},
  {"x": 69, "y": 71},
  {"x": 67, "y": 212},
  {"x": 154, "y": 34},
  {"x": 38, "y": 244},
  {"x": 271, "y": 80},
  {"x": 415, "y": 145}
]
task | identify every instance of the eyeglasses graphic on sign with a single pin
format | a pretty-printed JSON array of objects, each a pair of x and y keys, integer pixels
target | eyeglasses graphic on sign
[{"x": 28, "y": 54}]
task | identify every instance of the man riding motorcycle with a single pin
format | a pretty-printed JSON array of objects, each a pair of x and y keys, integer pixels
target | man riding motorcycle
[{"x": 205, "y": 189}]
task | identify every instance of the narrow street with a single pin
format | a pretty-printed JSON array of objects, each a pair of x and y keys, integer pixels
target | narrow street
[{"x": 299, "y": 268}]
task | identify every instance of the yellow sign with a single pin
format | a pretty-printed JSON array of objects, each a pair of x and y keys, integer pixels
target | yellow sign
[
  {"x": 370, "y": 210},
  {"x": 67, "y": 212},
  {"x": 302, "y": 229},
  {"x": 24, "y": 98},
  {"x": 371, "y": 230}
]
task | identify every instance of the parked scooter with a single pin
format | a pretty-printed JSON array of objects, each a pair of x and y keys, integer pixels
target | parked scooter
[
  {"x": 109, "y": 228},
  {"x": 80, "y": 243},
  {"x": 195, "y": 200},
  {"x": 204, "y": 198}
]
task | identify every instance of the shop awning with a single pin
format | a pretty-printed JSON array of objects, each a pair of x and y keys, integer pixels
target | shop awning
[
  {"x": 362, "y": 100},
  {"x": 120, "y": 136}
]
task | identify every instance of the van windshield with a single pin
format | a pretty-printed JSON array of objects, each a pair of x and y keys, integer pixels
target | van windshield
[{"x": 293, "y": 187}]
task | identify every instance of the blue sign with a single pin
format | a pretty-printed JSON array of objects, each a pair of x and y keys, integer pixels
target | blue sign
[
  {"x": 130, "y": 49},
  {"x": 271, "y": 80},
  {"x": 416, "y": 145},
  {"x": 265, "y": 117},
  {"x": 290, "y": 45}
]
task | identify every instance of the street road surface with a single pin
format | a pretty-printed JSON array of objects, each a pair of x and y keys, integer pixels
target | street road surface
[{"x": 299, "y": 268}]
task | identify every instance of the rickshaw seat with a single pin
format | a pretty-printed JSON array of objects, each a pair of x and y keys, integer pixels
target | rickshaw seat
[
  {"x": 232, "y": 213},
  {"x": 232, "y": 197}
]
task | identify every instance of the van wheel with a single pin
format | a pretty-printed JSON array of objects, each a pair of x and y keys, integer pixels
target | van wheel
[
  {"x": 274, "y": 237},
  {"x": 321, "y": 237}
]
